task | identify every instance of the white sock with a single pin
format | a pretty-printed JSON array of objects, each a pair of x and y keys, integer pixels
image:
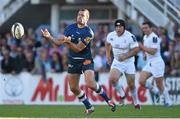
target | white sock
[
  {"x": 166, "y": 96},
  {"x": 134, "y": 94},
  {"x": 119, "y": 89},
  {"x": 82, "y": 96},
  {"x": 155, "y": 90},
  {"x": 152, "y": 88},
  {"x": 99, "y": 89},
  {"x": 148, "y": 85}
]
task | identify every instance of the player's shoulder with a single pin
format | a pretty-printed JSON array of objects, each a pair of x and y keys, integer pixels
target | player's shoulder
[
  {"x": 154, "y": 37},
  {"x": 111, "y": 34},
  {"x": 89, "y": 31},
  {"x": 128, "y": 34},
  {"x": 71, "y": 26}
]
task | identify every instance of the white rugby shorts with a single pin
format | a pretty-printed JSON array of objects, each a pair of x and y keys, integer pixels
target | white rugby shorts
[
  {"x": 155, "y": 67},
  {"x": 126, "y": 67}
]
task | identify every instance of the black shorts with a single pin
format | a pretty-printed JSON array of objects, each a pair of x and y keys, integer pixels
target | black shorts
[{"x": 79, "y": 66}]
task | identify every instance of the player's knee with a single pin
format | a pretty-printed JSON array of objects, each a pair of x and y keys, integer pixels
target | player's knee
[
  {"x": 161, "y": 89},
  {"x": 142, "y": 83},
  {"x": 131, "y": 86},
  {"x": 74, "y": 90},
  {"x": 113, "y": 80},
  {"x": 92, "y": 87}
]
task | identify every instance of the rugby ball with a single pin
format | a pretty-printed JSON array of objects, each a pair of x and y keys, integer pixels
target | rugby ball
[{"x": 17, "y": 30}]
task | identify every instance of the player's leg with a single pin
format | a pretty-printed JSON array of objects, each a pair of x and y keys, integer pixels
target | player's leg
[
  {"x": 144, "y": 75},
  {"x": 163, "y": 91},
  {"x": 158, "y": 74},
  {"x": 74, "y": 87},
  {"x": 114, "y": 79},
  {"x": 131, "y": 83},
  {"x": 92, "y": 84},
  {"x": 115, "y": 73},
  {"x": 130, "y": 72}
]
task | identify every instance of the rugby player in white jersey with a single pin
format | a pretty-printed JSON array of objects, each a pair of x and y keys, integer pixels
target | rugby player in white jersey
[
  {"x": 124, "y": 47},
  {"x": 155, "y": 65}
]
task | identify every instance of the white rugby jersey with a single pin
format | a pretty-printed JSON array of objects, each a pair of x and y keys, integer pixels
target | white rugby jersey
[
  {"x": 152, "y": 41},
  {"x": 122, "y": 44}
]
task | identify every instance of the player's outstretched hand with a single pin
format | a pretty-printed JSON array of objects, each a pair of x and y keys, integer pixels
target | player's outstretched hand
[
  {"x": 67, "y": 39},
  {"x": 45, "y": 33}
]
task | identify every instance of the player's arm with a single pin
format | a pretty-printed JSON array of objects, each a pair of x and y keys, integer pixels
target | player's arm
[
  {"x": 108, "y": 51},
  {"x": 151, "y": 51},
  {"x": 132, "y": 52},
  {"x": 85, "y": 40},
  {"x": 47, "y": 36},
  {"x": 76, "y": 47}
]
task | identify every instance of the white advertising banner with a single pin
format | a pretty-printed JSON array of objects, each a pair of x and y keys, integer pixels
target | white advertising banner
[
  {"x": 32, "y": 89},
  {"x": 14, "y": 88}
]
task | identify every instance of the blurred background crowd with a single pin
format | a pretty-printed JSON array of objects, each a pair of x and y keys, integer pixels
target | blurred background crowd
[{"x": 35, "y": 55}]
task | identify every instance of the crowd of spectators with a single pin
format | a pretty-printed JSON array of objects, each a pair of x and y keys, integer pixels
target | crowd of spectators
[{"x": 35, "y": 55}]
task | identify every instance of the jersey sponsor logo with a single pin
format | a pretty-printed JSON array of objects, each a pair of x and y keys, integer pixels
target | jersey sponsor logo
[
  {"x": 86, "y": 62},
  {"x": 154, "y": 39},
  {"x": 111, "y": 39},
  {"x": 87, "y": 40},
  {"x": 77, "y": 32}
]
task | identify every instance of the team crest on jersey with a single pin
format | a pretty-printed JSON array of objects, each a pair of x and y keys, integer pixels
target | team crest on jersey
[
  {"x": 88, "y": 39},
  {"x": 154, "y": 39},
  {"x": 134, "y": 38}
]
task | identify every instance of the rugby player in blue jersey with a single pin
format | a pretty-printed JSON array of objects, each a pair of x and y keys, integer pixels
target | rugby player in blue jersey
[{"x": 77, "y": 37}]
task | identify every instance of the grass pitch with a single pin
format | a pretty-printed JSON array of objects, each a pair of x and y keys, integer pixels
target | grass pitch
[{"x": 74, "y": 111}]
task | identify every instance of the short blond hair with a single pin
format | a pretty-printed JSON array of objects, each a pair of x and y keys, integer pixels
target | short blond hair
[{"x": 86, "y": 10}]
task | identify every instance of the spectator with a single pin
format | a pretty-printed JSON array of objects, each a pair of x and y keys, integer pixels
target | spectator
[
  {"x": 19, "y": 64},
  {"x": 98, "y": 66},
  {"x": 177, "y": 41},
  {"x": 30, "y": 61},
  {"x": 42, "y": 61},
  {"x": 100, "y": 35},
  {"x": 7, "y": 62},
  {"x": 56, "y": 64},
  {"x": 175, "y": 64},
  {"x": 102, "y": 53}
]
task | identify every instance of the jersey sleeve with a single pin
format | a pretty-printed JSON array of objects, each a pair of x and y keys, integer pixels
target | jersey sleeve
[
  {"x": 133, "y": 42},
  {"x": 108, "y": 39},
  {"x": 66, "y": 31},
  {"x": 88, "y": 37}
]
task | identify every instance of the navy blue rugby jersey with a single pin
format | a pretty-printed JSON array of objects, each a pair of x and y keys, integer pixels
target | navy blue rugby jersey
[{"x": 77, "y": 34}]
